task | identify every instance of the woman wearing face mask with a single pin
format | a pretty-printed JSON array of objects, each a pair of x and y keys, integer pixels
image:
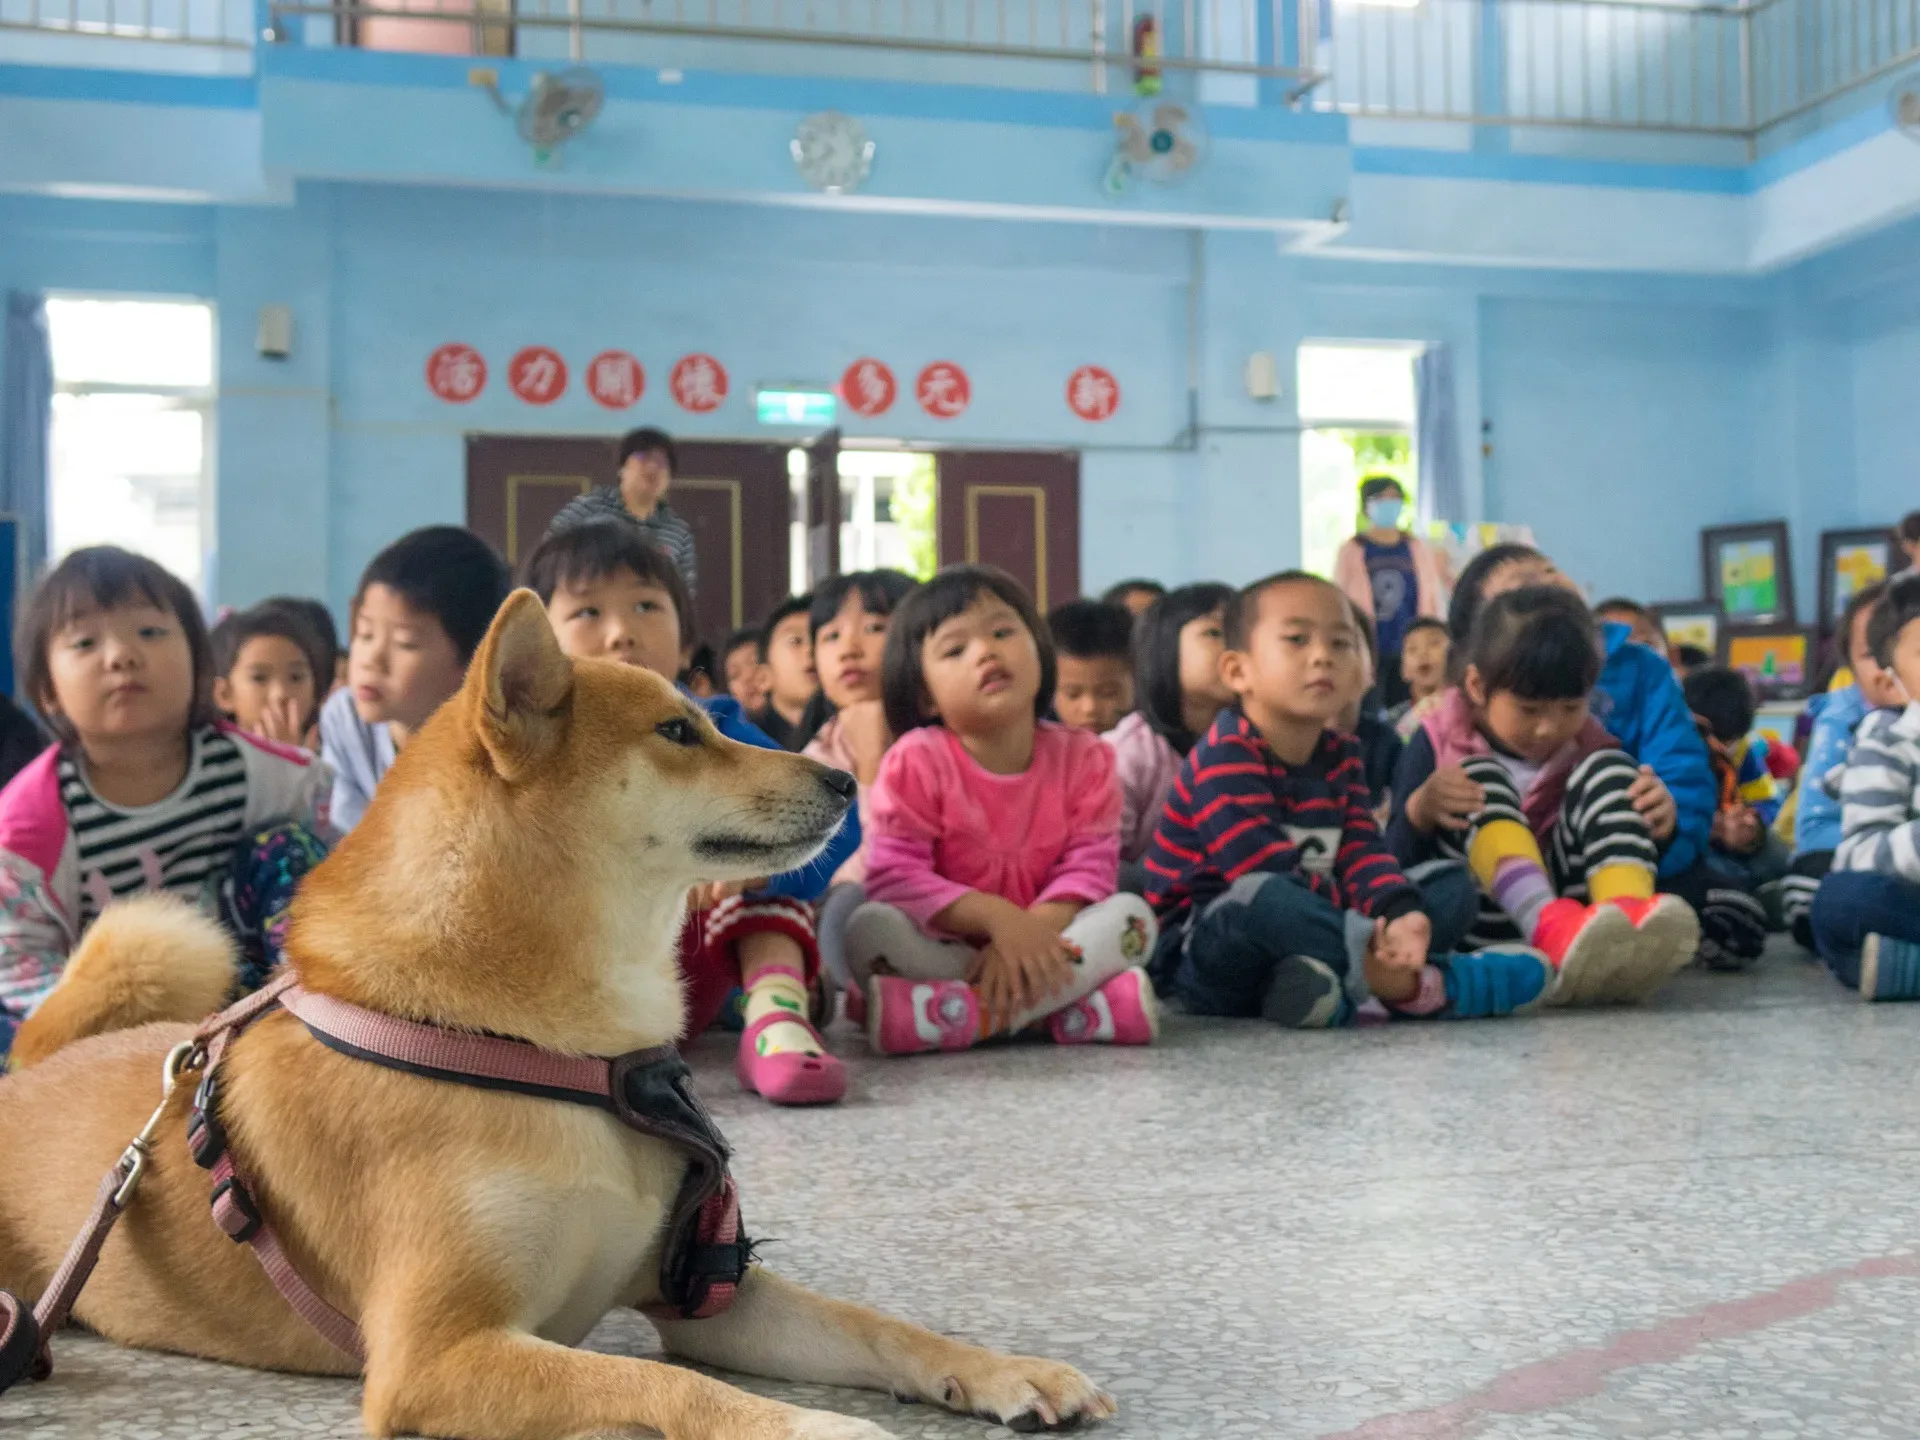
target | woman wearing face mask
[{"x": 1390, "y": 575}]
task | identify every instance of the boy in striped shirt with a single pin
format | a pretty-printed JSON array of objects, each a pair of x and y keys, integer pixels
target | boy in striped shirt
[
  {"x": 1866, "y": 916},
  {"x": 1276, "y": 895}
]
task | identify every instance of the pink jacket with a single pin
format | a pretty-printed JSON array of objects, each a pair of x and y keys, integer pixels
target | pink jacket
[
  {"x": 1146, "y": 765},
  {"x": 943, "y": 826},
  {"x": 1451, "y": 729},
  {"x": 829, "y": 749},
  {"x": 1350, "y": 574}
]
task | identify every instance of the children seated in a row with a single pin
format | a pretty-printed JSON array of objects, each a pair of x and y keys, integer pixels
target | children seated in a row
[
  {"x": 993, "y": 858},
  {"x": 611, "y": 595},
  {"x": 1277, "y": 896},
  {"x": 1093, "y": 647},
  {"x": 1512, "y": 774},
  {"x": 145, "y": 788},
  {"x": 422, "y": 607},
  {"x": 1866, "y": 916}
]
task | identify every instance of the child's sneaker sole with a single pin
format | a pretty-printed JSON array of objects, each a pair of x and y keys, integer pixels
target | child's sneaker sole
[
  {"x": 1889, "y": 969},
  {"x": 1304, "y": 994},
  {"x": 1598, "y": 953},
  {"x": 1500, "y": 980},
  {"x": 1669, "y": 934}
]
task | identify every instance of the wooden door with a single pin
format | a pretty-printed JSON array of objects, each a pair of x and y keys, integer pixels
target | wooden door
[
  {"x": 734, "y": 496},
  {"x": 823, "y": 508},
  {"x": 1017, "y": 509}
]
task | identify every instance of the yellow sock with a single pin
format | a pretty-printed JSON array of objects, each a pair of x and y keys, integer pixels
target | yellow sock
[
  {"x": 1499, "y": 840},
  {"x": 780, "y": 993},
  {"x": 1620, "y": 882}
]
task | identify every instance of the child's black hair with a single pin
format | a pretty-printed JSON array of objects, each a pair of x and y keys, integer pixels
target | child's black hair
[
  {"x": 1537, "y": 643},
  {"x": 1897, "y": 609},
  {"x": 1244, "y": 608},
  {"x": 1908, "y": 529},
  {"x": 587, "y": 553},
  {"x": 231, "y": 634},
  {"x": 881, "y": 592},
  {"x": 903, "y": 685},
  {"x": 1465, "y": 604},
  {"x": 1631, "y": 607},
  {"x": 786, "y": 610},
  {"x": 1374, "y": 486},
  {"x": 1690, "y": 658},
  {"x": 704, "y": 662},
  {"x": 1724, "y": 699},
  {"x": 1092, "y": 630},
  {"x": 746, "y": 635},
  {"x": 1116, "y": 594},
  {"x": 105, "y": 577},
  {"x": 1156, "y": 657},
  {"x": 319, "y": 621},
  {"x": 1424, "y": 622},
  {"x": 448, "y": 573},
  {"x": 639, "y": 442}
]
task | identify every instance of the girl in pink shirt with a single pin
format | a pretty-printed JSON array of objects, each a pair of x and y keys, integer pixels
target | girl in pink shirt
[{"x": 995, "y": 847}]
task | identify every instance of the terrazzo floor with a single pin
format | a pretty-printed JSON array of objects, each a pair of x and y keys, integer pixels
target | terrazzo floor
[{"x": 1699, "y": 1219}]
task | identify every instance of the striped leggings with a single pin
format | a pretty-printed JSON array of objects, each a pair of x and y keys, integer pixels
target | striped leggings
[{"x": 1597, "y": 826}]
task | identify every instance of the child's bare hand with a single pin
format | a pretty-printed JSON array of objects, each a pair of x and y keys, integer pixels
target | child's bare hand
[
  {"x": 1744, "y": 833},
  {"x": 1448, "y": 799},
  {"x": 1402, "y": 943},
  {"x": 863, "y": 726},
  {"x": 1026, "y": 961},
  {"x": 1649, "y": 795},
  {"x": 280, "y": 720},
  {"x": 705, "y": 897}
]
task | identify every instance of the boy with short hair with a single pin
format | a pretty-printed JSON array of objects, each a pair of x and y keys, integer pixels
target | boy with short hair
[
  {"x": 1423, "y": 670},
  {"x": 743, "y": 666},
  {"x": 1093, "y": 645},
  {"x": 612, "y": 596},
  {"x": 793, "y": 711},
  {"x": 266, "y": 673},
  {"x": 1866, "y": 917},
  {"x": 1643, "y": 626},
  {"x": 1277, "y": 896},
  {"x": 423, "y": 606},
  {"x": 1743, "y": 854}
]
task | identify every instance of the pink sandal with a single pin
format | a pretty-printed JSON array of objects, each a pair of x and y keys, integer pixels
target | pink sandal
[{"x": 789, "y": 1077}]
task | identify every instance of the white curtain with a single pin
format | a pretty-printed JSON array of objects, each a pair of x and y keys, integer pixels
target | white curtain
[{"x": 1442, "y": 490}]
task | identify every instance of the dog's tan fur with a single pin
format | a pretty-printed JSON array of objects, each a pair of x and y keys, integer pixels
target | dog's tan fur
[{"x": 522, "y": 872}]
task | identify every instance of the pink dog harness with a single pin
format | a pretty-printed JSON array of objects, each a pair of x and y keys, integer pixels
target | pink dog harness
[{"x": 649, "y": 1091}]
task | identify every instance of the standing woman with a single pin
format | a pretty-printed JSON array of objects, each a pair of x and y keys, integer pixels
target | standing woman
[{"x": 1391, "y": 576}]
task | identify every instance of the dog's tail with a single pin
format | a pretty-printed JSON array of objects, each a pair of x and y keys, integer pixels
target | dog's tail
[{"x": 153, "y": 957}]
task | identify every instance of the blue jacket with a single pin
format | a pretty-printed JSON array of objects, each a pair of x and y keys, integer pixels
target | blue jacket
[
  {"x": 1836, "y": 715},
  {"x": 810, "y": 881},
  {"x": 1643, "y": 707}
]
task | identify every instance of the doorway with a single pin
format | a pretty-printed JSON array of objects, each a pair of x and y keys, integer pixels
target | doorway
[{"x": 1357, "y": 413}]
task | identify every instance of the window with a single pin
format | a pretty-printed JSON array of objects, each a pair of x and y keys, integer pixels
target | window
[
  {"x": 133, "y": 429},
  {"x": 1357, "y": 407}
]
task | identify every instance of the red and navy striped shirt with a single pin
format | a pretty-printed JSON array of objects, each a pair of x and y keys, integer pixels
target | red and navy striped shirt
[{"x": 1237, "y": 809}]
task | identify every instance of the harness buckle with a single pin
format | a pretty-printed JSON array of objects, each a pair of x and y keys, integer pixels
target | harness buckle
[
  {"x": 235, "y": 1212},
  {"x": 206, "y": 1137},
  {"x": 133, "y": 1160}
]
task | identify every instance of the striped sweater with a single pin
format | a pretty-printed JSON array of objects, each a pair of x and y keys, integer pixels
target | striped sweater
[
  {"x": 662, "y": 527},
  {"x": 1237, "y": 808},
  {"x": 1880, "y": 797}
]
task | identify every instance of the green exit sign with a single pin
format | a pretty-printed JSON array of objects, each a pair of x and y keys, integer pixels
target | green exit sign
[{"x": 796, "y": 407}]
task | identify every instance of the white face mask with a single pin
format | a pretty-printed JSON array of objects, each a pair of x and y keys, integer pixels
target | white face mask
[{"x": 1384, "y": 514}]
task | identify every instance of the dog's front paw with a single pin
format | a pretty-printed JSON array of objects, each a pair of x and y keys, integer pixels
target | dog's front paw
[
  {"x": 1026, "y": 1394},
  {"x": 825, "y": 1425}
]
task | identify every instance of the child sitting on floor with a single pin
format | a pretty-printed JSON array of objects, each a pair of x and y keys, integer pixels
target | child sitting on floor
[
  {"x": 1866, "y": 917},
  {"x": 423, "y": 606},
  {"x": 993, "y": 863},
  {"x": 145, "y": 789},
  {"x": 1362, "y": 718},
  {"x": 743, "y": 660},
  {"x": 1835, "y": 717},
  {"x": 1743, "y": 853},
  {"x": 1423, "y": 669},
  {"x": 1277, "y": 897},
  {"x": 1177, "y": 644},
  {"x": 1093, "y": 646},
  {"x": 794, "y": 708},
  {"x": 1512, "y": 773},
  {"x": 613, "y": 595},
  {"x": 264, "y": 675},
  {"x": 1643, "y": 626}
]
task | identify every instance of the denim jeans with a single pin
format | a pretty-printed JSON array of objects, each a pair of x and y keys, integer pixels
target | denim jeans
[{"x": 1853, "y": 904}]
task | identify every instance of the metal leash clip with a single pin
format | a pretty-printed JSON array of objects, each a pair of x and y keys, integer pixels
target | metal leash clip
[{"x": 183, "y": 1059}]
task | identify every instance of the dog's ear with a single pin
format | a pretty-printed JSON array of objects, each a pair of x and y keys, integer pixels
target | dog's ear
[{"x": 522, "y": 684}]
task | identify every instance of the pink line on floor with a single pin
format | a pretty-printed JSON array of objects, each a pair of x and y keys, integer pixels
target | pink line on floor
[{"x": 1552, "y": 1383}]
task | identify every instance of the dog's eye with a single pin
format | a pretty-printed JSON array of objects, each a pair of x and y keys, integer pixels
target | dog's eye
[{"x": 678, "y": 732}]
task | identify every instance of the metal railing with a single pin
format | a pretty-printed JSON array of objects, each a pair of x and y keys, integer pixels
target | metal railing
[{"x": 222, "y": 24}]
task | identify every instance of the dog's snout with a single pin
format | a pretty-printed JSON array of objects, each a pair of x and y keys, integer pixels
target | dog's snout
[{"x": 840, "y": 783}]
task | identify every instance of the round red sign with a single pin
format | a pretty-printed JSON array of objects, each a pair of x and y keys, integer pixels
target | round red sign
[
  {"x": 698, "y": 383},
  {"x": 456, "y": 373},
  {"x": 869, "y": 388},
  {"x": 537, "y": 375},
  {"x": 943, "y": 390},
  {"x": 1093, "y": 393},
  {"x": 616, "y": 379}
]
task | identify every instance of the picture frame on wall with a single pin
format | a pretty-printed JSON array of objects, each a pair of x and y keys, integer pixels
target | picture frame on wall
[
  {"x": 1777, "y": 659},
  {"x": 1850, "y": 561},
  {"x": 1689, "y": 622},
  {"x": 1748, "y": 572}
]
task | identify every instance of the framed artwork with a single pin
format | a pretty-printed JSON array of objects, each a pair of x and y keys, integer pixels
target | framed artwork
[
  {"x": 1690, "y": 622},
  {"x": 1850, "y": 561},
  {"x": 1778, "y": 659},
  {"x": 1745, "y": 570}
]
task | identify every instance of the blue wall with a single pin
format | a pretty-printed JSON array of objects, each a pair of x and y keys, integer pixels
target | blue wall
[{"x": 1626, "y": 412}]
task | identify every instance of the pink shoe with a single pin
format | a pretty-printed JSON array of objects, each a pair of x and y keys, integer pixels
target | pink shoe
[
  {"x": 909, "y": 1017},
  {"x": 853, "y": 1004},
  {"x": 1121, "y": 1012},
  {"x": 789, "y": 1077}
]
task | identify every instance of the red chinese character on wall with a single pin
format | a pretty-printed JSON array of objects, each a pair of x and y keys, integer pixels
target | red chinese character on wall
[
  {"x": 537, "y": 375},
  {"x": 1093, "y": 393},
  {"x": 616, "y": 379},
  {"x": 456, "y": 373},
  {"x": 943, "y": 390},
  {"x": 869, "y": 388},
  {"x": 698, "y": 383}
]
